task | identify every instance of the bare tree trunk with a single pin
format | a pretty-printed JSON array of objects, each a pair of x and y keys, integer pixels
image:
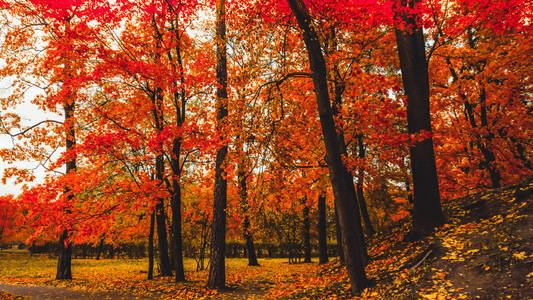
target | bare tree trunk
[
  {"x": 217, "y": 270},
  {"x": 100, "y": 248},
  {"x": 338, "y": 232},
  {"x": 164, "y": 261},
  {"x": 65, "y": 257},
  {"x": 322, "y": 238},
  {"x": 243, "y": 192},
  {"x": 360, "y": 195},
  {"x": 176, "y": 215},
  {"x": 348, "y": 177},
  {"x": 180, "y": 101},
  {"x": 339, "y": 88},
  {"x": 250, "y": 248},
  {"x": 151, "y": 247},
  {"x": 351, "y": 235},
  {"x": 65, "y": 246},
  {"x": 176, "y": 230},
  {"x": 411, "y": 50}
]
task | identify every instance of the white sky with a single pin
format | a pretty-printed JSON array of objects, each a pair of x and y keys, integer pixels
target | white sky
[{"x": 29, "y": 114}]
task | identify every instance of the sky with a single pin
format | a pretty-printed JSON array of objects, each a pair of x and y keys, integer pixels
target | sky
[{"x": 30, "y": 114}]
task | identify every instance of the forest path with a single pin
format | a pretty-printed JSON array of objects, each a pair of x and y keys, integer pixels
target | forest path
[
  {"x": 255, "y": 289},
  {"x": 59, "y": 293},
  {"x": 487, "y": 250}
]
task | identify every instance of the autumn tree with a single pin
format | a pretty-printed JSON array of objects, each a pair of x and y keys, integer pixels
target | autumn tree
[
  {"x": 411, "y": 50},
  {"x": 351, "y": 235},
  {"x": 217, "y": 273}
]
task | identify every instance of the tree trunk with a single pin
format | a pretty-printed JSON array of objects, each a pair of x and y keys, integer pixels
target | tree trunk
[
  {"x": 351, "y": 235},
  {"x": 151, "y": 247},
  {"x": 243, "y": 193},
  {"x": 65, "y": 246},
  {"x": 100, "y": 248},
  {"x": 175, "y": 204},
  {"x": 180, "y": 101},
  {"x": 250, "y": 248},
  {"x": 427, "y": 208},
  {"x": 164, "y": 262},
  {"x": 488, "y": 154},
  {"x": 364, "y": 211},
  {"x": 360, "y": 195},
  {"x": 322, "y": 238},
  {"x": 217, "y": 271},
  {"x": 307, "y": 235},
  {"x": 339, "y": 88},
  {"x": 65, "y": 257},
  {"x": 348, "y": 177},
  {"x": 338, "y": 233}
]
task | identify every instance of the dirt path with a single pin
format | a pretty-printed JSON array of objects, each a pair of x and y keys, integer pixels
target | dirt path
[
  {"x": 58, "y": 293},
  {"x": 253, "y": 291},
  {"x": 488, "y": 252}
]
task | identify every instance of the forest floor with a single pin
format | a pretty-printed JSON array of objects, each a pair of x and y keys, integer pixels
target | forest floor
[{"x": 484, "y": 251}]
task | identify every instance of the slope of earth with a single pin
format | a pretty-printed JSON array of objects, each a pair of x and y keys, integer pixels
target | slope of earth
[{"x": 484, "y": 251}]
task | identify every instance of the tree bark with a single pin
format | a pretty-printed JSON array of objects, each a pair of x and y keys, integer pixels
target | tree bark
[
  {"x": 338, "y": 235},
  {"x": 351, "y": 235},
  {"x": 176, "y": 230},
  {"x": 411, "y": 50},
  {"x": 65, "y": 246},
  {"x": 151, "y": 247},
  {"x": 179, "y": 274},
  {"x": 100, "y": 248},
  {"x": 488, "y": 154},
  {"x": 180, "y": 101},
  {"x": 360, "y": 193},
  {"x": 339, "y": 88},
  {"x": 348, "y": 177},
  {"x": 164, "y": 261},
  {"x": 217, "y": 271},
  {"x": 243, "y": 193},
  {"x": 160, "y": 218},
  {"x": 65, "y": 257},
  {"x": 322, "y": 238}
]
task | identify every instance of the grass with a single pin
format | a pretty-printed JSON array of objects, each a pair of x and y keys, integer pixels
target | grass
[{"x": 128, "y": 276}]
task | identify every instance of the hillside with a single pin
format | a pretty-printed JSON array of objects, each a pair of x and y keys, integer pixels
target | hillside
[{"x": 484, "y": 251}]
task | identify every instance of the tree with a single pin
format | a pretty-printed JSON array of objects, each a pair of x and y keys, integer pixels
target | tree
[
  {"x": 243, "y": 193},
  {"x": 351, "y": 235},
  {"x": 217, "y": 269},
  {"x": 322, "y": 232},
  {"x": 411, "y": 51}
]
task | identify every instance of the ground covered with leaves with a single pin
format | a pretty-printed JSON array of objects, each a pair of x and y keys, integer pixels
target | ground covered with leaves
[{"x": 484, "y": 251}]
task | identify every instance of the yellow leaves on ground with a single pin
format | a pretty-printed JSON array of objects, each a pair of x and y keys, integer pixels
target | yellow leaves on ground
[
  {"x": 433, "y": 296},
  {"x": 520, "y": 255}
]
